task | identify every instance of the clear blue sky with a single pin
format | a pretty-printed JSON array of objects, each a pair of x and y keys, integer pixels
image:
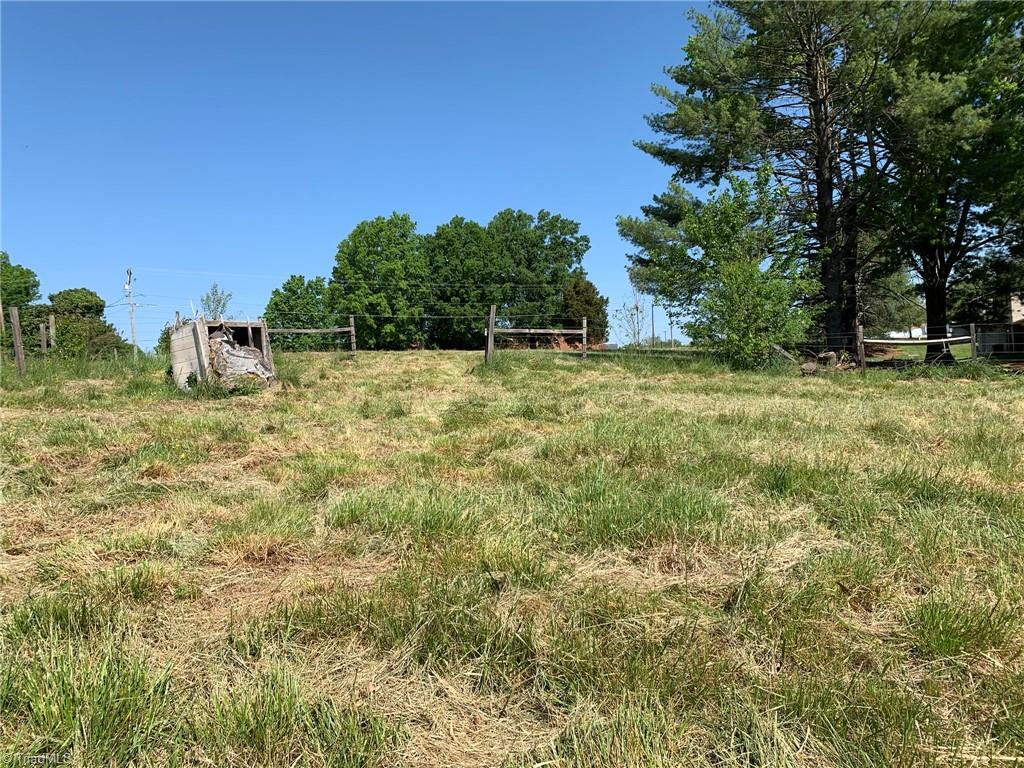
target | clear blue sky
[{"x": 240, "y": 142}]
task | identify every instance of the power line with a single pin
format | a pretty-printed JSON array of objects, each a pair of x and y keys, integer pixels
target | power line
[{"x": 410, "y": 282}]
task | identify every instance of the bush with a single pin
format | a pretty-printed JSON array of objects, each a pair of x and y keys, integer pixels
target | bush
[{"x": 730, "y": 264}]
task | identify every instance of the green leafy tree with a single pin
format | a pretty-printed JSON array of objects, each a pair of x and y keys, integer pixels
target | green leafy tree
[
  {"x": 466, "y": 277},
  {"x": 300, "y": 303},
  {"x": 18, "y": 285},
  {"x": 163, "y": 341},
  {"x": 215, "y": 303},
  {"x": 537, "y": 256},
  {"x": 378, "y": 275},
  {"x": 81, "y": 329},
  {"x": 731, "y": 265},
  {"x": 582, "y": 299},
  {"x": 77, "y": 301}
]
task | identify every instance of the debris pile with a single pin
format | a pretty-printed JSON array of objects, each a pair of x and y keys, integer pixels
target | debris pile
[{"x": 235, "y": 364}]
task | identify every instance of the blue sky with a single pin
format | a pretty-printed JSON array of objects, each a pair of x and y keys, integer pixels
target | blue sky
[{"x": 240, "y": 142}]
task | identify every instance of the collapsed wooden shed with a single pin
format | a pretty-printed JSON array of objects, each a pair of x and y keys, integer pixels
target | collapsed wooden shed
[{"x": 231, "y": 351}]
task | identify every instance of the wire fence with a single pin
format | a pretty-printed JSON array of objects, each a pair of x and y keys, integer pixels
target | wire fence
[{"x": 528, "y": 319}]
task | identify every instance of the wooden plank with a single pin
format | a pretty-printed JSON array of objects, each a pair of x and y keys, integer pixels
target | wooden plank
[
  {"x": 539, "y": 331},
  {"x": 780, "y": 351},
  {"x": 19, "y": 350},
  {"x": 42, "y": 337},
  {"x": 584, "y": 338},
  {"x": 352, "y": 334},
  {"x": 268, "y": 355},
  {"x": 182, "y": 345},
  {"x": 53, "y": 331},
  {"x": 201, "y": 340},
  {"x": 310, "y": 330},
  {"x": 974, "y": 342}
]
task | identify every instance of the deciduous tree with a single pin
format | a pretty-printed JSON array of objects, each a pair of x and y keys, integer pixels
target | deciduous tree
[
  {"x": 379, "y": 274},
  {"x": 537, "y": 255},
  {"x": 18, "y": 285},
  {"x": 215, "y": 303},
  {"x": 732, "y": 265},
  {"x": 299, "y": 303},
  {"x": 466, "y": 277}
]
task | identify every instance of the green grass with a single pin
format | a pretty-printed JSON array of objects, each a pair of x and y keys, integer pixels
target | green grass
[
  {"x": 412, "y": 558},
  {"x": 270, "y": 721}
]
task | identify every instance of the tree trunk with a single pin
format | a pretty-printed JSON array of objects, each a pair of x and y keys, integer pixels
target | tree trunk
[
  {"x": 834, "y": 246},
  {"x": 935, "y": 303}
]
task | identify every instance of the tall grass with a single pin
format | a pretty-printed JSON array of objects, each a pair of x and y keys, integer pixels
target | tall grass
[{"x": 416, "y": 559}]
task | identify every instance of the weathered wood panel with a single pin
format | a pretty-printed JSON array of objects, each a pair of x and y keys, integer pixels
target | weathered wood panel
[{"x": 189, "y": 352}]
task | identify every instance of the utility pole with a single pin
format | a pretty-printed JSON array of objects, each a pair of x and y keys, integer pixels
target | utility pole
[
  {"x": 131, "y": 313},
  {"x": 639, "y": 327}
]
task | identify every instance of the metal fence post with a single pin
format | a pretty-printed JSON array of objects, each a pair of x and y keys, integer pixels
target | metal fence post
[{"x": 861, "y": 359}]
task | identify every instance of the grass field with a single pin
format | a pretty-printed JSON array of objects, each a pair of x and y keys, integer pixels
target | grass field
[{"x": 412, "y": 560}]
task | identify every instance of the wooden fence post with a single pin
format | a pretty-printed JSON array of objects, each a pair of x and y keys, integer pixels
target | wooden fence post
[
  {"x": 42, "y": 337},
  {"x": 974, "y": 342},
  {"x": 861, "y": 359},
  {"x": 268, "y": 354},
  {"x": 584, "y": 338},
  {"x": 19, "y": 351},
  {"x": 53, "y": 331},
  {"x": 489, "y": 345},
  {"x": 352, "y": 335}
]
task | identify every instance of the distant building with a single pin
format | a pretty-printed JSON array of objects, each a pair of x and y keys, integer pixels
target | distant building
[
  {"x": 1004, "y": 341},
  {"x": 914, "y": 332}
]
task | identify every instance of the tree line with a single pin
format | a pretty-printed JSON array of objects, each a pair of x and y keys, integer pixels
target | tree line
[
  {"x": 850, "y": 147},
  {"x": 409, "y": 289},
  {"x": 78, "y": 315}
]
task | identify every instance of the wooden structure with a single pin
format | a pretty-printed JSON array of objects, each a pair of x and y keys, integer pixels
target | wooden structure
[
  {"x": 494, "y": 331},
  {"x": 191, "y": 352}
]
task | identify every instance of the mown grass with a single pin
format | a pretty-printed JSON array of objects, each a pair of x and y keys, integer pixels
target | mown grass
[{"x": 417, "y": 559}]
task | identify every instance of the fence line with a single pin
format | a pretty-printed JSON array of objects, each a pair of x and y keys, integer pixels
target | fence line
[
  {"x": 350, "y": 329},
  {"x": 493, "y": 330}
]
